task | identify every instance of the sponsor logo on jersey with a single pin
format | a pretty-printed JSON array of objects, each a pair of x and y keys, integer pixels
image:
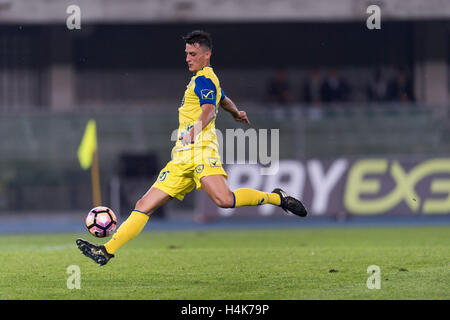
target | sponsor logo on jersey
[{"x": 207, "y": 94}]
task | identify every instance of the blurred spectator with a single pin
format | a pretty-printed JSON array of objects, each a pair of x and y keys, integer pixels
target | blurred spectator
[
  {"x": 400, "y": 88},
  {"x": 279, "y": 89},
  {"x": 334, "y": 88},
  {"x": 377, "y": 87},
  {"x": 311, "y": 88}
]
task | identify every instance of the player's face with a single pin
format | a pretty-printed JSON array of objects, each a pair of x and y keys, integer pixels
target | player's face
[{"x": 197, "y": 57}]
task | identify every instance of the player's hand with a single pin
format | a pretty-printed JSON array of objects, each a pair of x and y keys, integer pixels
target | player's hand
[
  {"x": 187, "y": 138},
  {"x": 241, "y": 117}
]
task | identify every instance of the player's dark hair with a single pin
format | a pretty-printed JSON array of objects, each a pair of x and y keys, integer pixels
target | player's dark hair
[{"x": 203, "y": 38}]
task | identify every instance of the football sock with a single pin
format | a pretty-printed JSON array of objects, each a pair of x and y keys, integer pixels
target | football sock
[
  {"x": 251, "y": 197},
  {"x": 129, "y": 229}
]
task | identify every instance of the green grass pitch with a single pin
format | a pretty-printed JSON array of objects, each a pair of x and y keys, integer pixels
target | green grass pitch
[{"x": 235, "y": 264}]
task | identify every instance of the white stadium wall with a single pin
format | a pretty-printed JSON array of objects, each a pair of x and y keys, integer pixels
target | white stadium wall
[{"x": 101, "y": 11}]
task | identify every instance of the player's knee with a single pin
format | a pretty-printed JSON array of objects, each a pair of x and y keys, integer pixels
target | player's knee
[
  {"x": 224, "y": 201},
  {"x": 141, "y": 206}
]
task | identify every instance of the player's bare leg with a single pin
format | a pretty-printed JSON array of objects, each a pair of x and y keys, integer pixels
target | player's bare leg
[
  {"x": 217, "y": 189},
  {"x": 152, "y": 200},
  {"x": 130, "y": 228}
]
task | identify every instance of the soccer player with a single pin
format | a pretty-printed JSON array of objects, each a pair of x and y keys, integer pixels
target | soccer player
[{"x": 195, "y": 157}]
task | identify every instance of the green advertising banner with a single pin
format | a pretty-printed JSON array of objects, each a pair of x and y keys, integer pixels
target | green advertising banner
[
  {"x": 347, "y": 187},
  {"x": 376, "y": 186}
]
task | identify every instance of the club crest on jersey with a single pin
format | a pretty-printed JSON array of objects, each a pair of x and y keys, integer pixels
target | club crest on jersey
[
  {"x": 207, "y": 94},
  {"x": 213, "y": 162},
  {"x": 199, "y": 168}
]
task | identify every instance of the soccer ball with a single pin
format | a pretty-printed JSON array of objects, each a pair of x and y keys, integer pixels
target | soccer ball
[{"x": 101, "y": 222}]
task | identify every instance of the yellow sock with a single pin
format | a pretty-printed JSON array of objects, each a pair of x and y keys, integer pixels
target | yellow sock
[
  {"x": 129, "y": 229},
  {"x": 251, "y": 197}
]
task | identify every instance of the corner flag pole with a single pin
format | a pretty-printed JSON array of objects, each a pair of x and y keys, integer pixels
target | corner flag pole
[{"x": 88, "y": 157}]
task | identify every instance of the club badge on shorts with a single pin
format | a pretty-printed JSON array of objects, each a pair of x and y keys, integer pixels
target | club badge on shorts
[{"x": 199, "y": 168}]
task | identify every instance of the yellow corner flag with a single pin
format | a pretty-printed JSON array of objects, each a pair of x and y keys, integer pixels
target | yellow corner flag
[
  {"x": 88, "y": 156},
  {"x": 88, "y": 145}
]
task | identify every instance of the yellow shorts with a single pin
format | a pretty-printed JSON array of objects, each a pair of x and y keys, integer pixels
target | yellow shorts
[{"x": 178, "y": 179}]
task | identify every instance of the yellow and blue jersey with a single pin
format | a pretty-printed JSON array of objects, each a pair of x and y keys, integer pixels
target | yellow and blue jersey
[
  {"x": 204, "y": 88},
  {"x": 191, "y": 163}
]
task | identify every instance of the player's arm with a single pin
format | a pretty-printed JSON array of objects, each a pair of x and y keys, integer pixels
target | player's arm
[
  {"x": 228, "y": 105},
  {"x": 208, "y": 113}
]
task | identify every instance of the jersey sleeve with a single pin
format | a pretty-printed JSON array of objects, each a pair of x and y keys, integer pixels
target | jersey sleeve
[
  {"x": 223, "y": 95},
  {"x": 205, "y": 90}
]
